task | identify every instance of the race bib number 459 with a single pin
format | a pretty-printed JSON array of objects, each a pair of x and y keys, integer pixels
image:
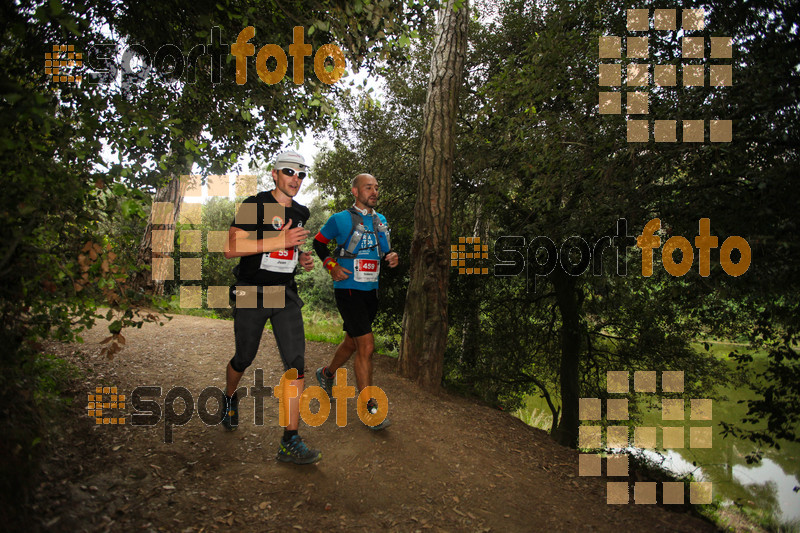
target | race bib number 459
[
  {"x": 367, "y": 270},
  {"x": 283, "y": 261}
]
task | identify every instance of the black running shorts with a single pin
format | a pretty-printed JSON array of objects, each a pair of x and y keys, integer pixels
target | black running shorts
[
  {"x": 287, "y": 327},
  {"x": 358, "y": 310}
]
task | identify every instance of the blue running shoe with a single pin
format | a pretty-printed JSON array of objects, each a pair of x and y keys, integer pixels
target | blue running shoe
[{"x": 295, "y": 451}]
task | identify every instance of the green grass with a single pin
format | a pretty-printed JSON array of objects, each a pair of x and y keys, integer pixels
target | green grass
[
  {"x": 533, "y": 416},
  {"x": 327, "y": 327},
  {"x": 320, "y": 326},
  {"x": 53, "y": 376},
  {"x": 731, "y": 517},
  {"x": 721, "y": 349},
  {"x": 174, "y": 308}
]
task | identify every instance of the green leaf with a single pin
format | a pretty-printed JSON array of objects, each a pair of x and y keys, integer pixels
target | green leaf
[
  {"x": 131, "y": 208},
  {"x": 72, "y": 26},
  {"x": 55, "y": 7}
]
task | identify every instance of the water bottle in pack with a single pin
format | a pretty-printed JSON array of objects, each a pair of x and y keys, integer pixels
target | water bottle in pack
[
  {"x": 384, "y": 241},
  {"x": 355, "y": 238}
]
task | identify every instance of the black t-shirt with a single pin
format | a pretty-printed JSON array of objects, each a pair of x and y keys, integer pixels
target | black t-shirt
[{"x": 266, "y": 219}]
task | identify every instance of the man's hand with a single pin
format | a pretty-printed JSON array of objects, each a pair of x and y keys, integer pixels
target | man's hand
[
  {"x": 294, "y": 236},
  {"x": 306, "y": 261},
  {"x": 339, "y": 273},
  {"x": 392, "y": 259}
]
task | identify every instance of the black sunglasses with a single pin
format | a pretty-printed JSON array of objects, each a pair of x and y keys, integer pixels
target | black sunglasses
[{"x": 290, "y": 172}]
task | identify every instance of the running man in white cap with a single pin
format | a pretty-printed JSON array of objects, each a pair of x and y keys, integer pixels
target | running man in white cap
[{"x": 267, "y": 238}]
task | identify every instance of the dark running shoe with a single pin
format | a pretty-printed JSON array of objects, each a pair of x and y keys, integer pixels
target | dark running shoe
[
  {"x": 372, "y": 408},
  {"x": 295, "y": 451},
  {"x": 383, "y": 425},
  {"x": 325, "y": 382},
  {"x": 230, "y": 416}
]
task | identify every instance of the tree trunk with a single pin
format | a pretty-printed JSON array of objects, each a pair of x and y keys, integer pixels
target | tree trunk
[
  {"x": 471, "y": 331},
  {"x": 425, "y": 318},
  {"x": 569, "y": 307},
  {"x": 173, "y": 193}
]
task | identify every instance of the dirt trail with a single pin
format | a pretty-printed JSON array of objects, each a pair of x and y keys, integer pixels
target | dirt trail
[{"x": 446, "y": 464}]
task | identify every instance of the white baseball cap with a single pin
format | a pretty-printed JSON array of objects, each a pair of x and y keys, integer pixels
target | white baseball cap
[{"x": 290, "y": 159}]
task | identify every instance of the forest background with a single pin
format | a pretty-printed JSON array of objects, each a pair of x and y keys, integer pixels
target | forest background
[{"x": 533, "y": 157}]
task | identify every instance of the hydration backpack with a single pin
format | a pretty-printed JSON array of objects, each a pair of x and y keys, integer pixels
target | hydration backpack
[{"x": 357, "y": 218}]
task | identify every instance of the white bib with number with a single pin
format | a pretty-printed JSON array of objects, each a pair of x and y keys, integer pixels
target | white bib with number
[
  {"x": 283, "y": 261},
  {"x": 366, "y": 269}
]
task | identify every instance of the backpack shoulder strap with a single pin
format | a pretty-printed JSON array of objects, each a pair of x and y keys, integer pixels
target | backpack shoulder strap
[{"x": 355, "y": 219}]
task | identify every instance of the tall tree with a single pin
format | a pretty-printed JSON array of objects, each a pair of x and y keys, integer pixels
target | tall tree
[
  {"x": 170, "y": 110},
  {"x": 425, "y": 319},
  {"x": 583, "y": 175},
  {"x": 172, "y": 192},
  {"x": 185, "y": 109}
]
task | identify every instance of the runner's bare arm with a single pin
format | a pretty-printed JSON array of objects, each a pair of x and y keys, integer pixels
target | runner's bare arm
[{"x": 240, "y": 243}]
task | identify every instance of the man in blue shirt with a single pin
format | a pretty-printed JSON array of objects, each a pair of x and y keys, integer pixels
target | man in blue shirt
[{"x": 362, "y": 237}]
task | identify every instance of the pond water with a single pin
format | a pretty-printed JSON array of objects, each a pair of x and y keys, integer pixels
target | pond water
[
  {"x": 769, "y": 485},
  {"x": 765, "y": 486}
]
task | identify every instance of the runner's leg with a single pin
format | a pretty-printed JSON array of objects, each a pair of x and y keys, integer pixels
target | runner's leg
[
  {"x": 365, "y": 346},
  {"x": 343, "y": 353},
  {"x": 248, "y": 326},
  {"x": 232, "y": 378},
  {"x": 287, "y": 326}
]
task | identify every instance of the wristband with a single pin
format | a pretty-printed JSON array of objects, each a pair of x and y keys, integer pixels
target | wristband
[{"x": 329, "y": 263}]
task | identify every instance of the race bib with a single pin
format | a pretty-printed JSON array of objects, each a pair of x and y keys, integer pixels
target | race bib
[
  {"x": 366, "y": 270},
  {"x": 283, "y": 261}
]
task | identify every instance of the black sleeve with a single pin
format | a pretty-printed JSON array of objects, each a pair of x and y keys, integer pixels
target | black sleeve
[
  {"x": 322, "y": 249},
  {"x": 253, "y": 216}
]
